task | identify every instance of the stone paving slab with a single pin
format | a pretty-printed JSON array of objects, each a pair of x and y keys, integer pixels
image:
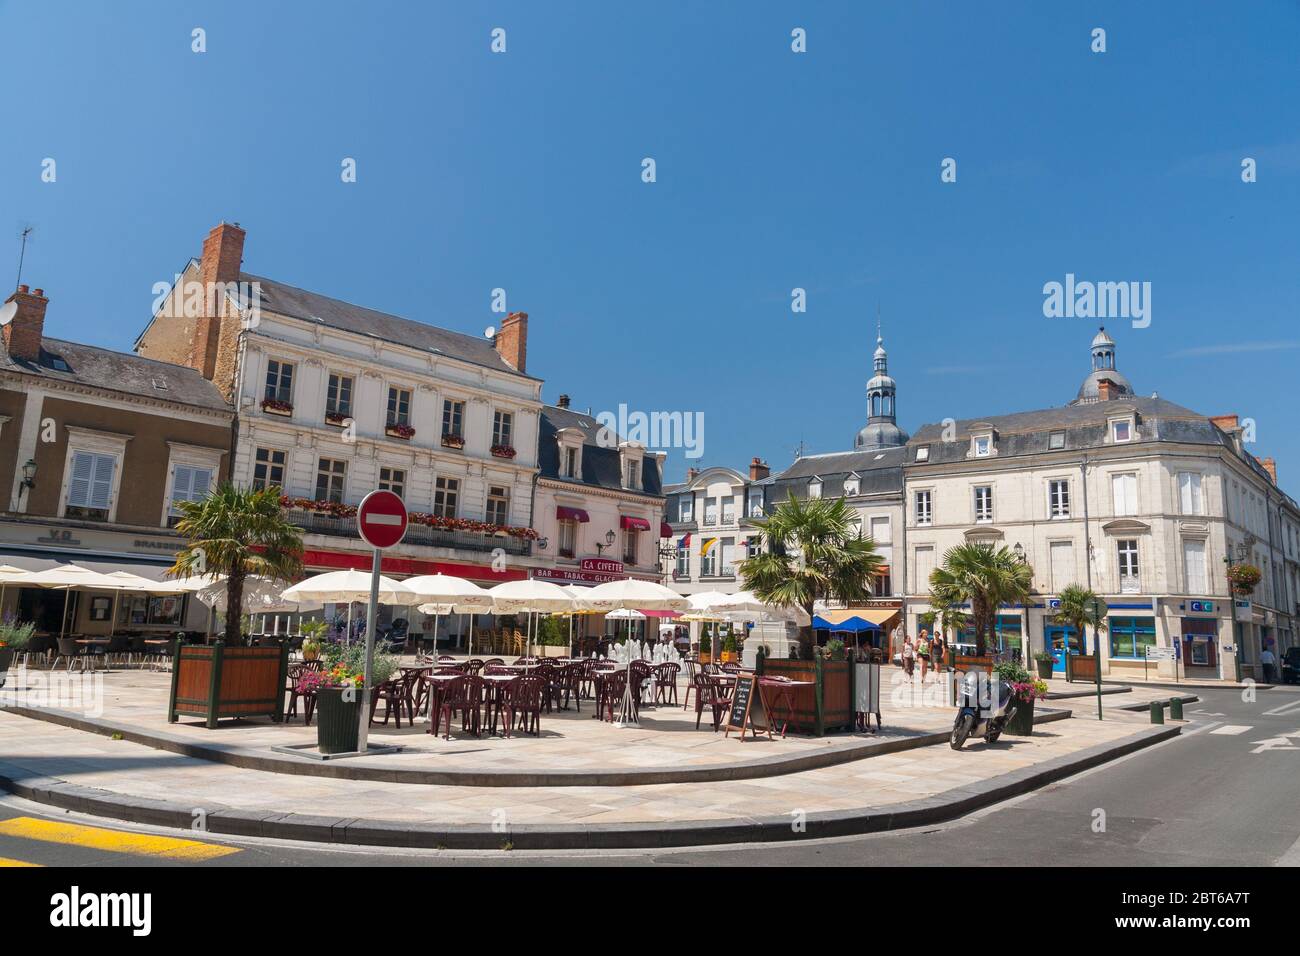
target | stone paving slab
[{"x": 124, "y": 780}]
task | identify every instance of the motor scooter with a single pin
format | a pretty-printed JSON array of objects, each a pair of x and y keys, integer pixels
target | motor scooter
[{"x": 979, "y": 714}]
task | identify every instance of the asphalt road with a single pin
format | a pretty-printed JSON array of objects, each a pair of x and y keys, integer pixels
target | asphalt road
[{"x": 1225, "y": 793}]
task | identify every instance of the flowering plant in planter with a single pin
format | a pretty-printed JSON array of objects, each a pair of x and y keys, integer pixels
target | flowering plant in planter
[
  {"x": 1029, "y": 690},
  {"x": 336, "y": 418},
  {"x": 453, "y": 441},
  {"x": 335, "y": 509},
  {"x": 399, "y": 430},
  {"x": 277, "y": 406},
  {"x": 1244, "y": 577},
  {"x": 340, "y": 675},
  {"x": 504, "y": 451}
]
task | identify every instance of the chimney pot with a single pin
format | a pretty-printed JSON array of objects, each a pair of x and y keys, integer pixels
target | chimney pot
[
  {"x": 1270, "y": 466},
  {"x": 22, "y": 336},
  {"x": 223, "y": 253}
]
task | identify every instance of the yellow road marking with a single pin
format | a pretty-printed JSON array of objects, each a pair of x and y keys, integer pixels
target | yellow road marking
[
  {"x": 5, "y": 861},
  {"x": 114, "y": 841}
]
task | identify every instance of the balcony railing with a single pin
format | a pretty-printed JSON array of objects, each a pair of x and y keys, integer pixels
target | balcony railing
[{"x": 418, "y": 534}]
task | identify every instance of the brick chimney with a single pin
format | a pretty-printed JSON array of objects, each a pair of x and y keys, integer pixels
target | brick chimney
[
  {"x": 1227, "y": 423},
  {"x": 223, "y": 252},
  {"x": 1107, "y": 390},
  {"x": 22, "y": 335},
  {"x": 1270, "y": 466},
  {"x": 512, "y": 340},
  {"x": 758, "y": 469},
  {"x": 563, "y": 402}
]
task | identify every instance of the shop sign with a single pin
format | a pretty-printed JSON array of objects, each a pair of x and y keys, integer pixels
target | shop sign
[
  {"x": 1242, "y": 611},
  {"x": 1201, "y": 607},
  {"x": 602, "y": 566}
]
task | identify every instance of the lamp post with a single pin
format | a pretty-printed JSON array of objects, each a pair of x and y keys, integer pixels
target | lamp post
[
  {"x": 609, "y": 542},
  {"x": 1019, "y": 550},
  {"x": 1242, "y": 551},
  {"x": 29, "y": 474},
  {"x": 1096, "y": 610}
]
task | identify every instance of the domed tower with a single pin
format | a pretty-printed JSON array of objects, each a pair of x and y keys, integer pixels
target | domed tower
[
  {"x": 881, "y": 430},
  {"x": 1103, "y": 370}
]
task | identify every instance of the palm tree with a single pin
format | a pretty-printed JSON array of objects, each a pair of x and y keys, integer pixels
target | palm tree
[
  {"x": 945, "y": 619},
  {"x": 983, "y": 577},
  {"x": 1080, "y": 607},
  {"x": 816, "y": 551},
  {"x": 237, "y": 532}
]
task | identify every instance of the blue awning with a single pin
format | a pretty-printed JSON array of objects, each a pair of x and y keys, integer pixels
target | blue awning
[{"x": 849, "y": 624}]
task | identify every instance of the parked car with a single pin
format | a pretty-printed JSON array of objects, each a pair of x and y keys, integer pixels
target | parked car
[{"x": 1291, "y": 666}]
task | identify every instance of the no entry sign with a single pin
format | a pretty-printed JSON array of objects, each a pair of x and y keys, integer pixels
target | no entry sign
[{"x": 381, "y": 519}]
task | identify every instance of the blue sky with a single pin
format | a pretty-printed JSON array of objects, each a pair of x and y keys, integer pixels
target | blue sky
[{"x": 775, "y": 170}]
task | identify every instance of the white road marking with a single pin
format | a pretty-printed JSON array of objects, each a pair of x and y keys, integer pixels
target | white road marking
[
  {"x": 1207, "y": 713},
  {"x": 1284, "y": 709},
  {"x": 1231, "y": 730},
  {"x": 1281, "y": 742},
  {"x": 1198, "y": 730}
]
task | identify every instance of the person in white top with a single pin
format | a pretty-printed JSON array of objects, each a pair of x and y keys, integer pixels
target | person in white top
[{"x": 1270, "y": 662}]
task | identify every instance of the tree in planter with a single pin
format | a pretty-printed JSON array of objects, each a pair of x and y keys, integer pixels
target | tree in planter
[
  {"x": 985, "y": 578},
  {"x": 1082, "y": 607},
  {"x": 816, "y": 551},
  {"x": 237, "y": 532}
]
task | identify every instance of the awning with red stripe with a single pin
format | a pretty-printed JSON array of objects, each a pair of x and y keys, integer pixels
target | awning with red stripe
[
  {"x": 634, "y": 524},
  {"x": 571, "y": 514},
  {"x": 665, "y": 529}
]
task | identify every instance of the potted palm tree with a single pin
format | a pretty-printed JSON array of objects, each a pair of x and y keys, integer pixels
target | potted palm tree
[
  {"x": 985, "y": 578},
  {"x": 236, "y": 532},
  {"x": 1081, "y": 608},
  {"x": 312, "y": 633},
  {"x": 815, "y": 552},
  {"x": 706, "y": 648}
]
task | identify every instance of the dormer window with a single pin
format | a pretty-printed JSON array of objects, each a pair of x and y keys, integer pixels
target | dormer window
[
  {"x": 923, "y": 453},
  {"x": 630, "y": 455},
  {"x": 570, "y": 441},
  {"x": 982, "y": 445},
  {"x": 852, "y": 486},
  {"x": 1056, "y": 440},
  {"x": 1121, "y": 430},
  {"x": 815, "y": 488}
]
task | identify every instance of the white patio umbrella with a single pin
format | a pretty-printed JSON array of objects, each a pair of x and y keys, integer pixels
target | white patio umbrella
[
  {"x": 9, "y": 573},
  {"x": 443, "y": 590},
  {"x": 339, "y": 587},
  {"x": 633, "y": 594},
  {"x": 65, "y": 577},
  {"x": 262, "y": 595},
  {"x": 530, "y": 597}
]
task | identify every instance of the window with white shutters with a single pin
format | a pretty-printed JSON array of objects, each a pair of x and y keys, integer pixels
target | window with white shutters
[
  {"x": 923, "y": 508},
  {"x": 189, "y": 483},
  {"x": 1124, "y": 492},
  {"x": 1129, "y": 582},
  {"x": 1058, "y": 498},
  {"x": 1189, "y": 493},
  {"x": 90, "y": 488},
  {"x": 984, "y": 504},
  {"x": 1194, "y": 566},
  {"x": 1061, "y": 557},
  {"x": 924, "y": 565}
]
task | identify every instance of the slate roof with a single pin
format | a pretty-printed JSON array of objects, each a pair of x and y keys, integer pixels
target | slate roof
[
  {"x": 601, "y": 466},
  {"x": 75, "y": 363},
  {"x": 879, "y": 471},
  {"x": 310, "y": 306}
]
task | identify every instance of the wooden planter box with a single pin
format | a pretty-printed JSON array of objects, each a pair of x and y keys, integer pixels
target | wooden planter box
[
  {"x": 215, "y": 681},
  {"x": 1081, "y": 667},
  {"x": 828, "y": 704}
]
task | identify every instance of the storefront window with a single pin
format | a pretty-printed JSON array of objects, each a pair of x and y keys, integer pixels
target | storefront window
[
  {"x": 1131, "y": 636},
  {"x": 164, "y": 611}
]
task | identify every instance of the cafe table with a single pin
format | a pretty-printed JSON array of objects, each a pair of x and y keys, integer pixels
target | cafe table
[{"x": 777, "y": 694}]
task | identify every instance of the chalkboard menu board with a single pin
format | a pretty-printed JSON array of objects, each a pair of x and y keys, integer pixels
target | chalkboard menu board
[{"x": 746, "y": 706}]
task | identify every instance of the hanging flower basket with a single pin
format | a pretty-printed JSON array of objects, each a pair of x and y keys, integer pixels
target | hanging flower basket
[
  {"x": 274, "y": 406},
  {"x": 1244, "y": 578}
]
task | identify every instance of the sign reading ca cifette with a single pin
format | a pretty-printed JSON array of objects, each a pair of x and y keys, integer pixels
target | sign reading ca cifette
[{"x": 602, "y": 566}]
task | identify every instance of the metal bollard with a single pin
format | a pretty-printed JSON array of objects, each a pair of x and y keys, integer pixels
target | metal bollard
[
  {"x": 1157, "y": 712},
  {"x": 1176, "y": 708}
]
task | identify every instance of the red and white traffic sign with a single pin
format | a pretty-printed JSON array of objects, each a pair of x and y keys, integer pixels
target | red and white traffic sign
[{"x": 381, "y": 519}]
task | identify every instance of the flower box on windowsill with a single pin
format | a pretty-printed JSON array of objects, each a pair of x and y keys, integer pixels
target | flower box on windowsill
[
  {"x": 405, "y": 432},
  {"x": 453, "y": 441},
  {"x": 337, "y": 418},
  {"x": 503, "y": 451},
  {"x": 273, "y": 406}
]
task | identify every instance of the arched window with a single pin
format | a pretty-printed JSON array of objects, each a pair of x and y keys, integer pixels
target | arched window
[
  {"x": 875, "y": 404},
  {"x": 888, "y": 405}
]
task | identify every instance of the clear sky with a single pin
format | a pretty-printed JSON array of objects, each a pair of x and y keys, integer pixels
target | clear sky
[{"x": 775, "y": 170}]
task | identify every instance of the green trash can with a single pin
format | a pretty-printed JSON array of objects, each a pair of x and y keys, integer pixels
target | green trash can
[
  {"x": 1176, "y": 708},
  {"x": 1157, "y": 712},
  {"x": 338, "y": 719}
]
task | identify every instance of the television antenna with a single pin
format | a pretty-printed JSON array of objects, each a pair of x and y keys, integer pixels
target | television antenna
[{"x": 22, "y": 253}]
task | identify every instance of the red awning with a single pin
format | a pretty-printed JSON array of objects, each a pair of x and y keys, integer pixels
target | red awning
[
  {"x": 634, "y": 524},
  {"x": 665, "y": 529},
  {"x": 571, "y": 514}
]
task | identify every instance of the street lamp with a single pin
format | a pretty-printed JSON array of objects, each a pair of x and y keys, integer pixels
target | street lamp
[
  {"x": 29, "y": 473},
  {"x": 609, "y": 542},
  {"x": 1242, "y": 550}
]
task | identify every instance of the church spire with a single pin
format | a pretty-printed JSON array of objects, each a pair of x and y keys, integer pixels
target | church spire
[{"x": 882, "y": 430}]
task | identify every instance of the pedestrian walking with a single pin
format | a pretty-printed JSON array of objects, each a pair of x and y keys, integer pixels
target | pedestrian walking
[
  {"x": 909, "y": 657},
  {"x": 937, "y": 651},
  {"x": 1269, "y": 661},
  {"x": 923, "y": 652}
]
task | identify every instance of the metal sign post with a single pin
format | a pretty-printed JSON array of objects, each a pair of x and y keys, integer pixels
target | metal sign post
[{"x": 381, "y": 521}]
